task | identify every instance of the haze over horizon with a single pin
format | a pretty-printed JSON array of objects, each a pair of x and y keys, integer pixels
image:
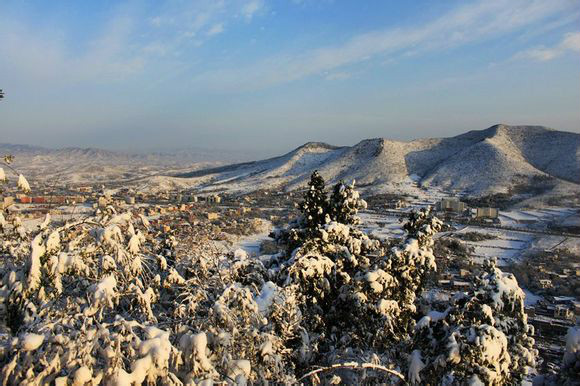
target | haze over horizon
[{"x": 267, "y": 76}]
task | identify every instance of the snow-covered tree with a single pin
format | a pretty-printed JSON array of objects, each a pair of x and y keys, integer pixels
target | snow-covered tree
[
  {"x": 339, "y": 274},
  {"x": 314, "y": 208},
  {"x": 413, "y": 260},
  {"x": 482, "y": 338},
  {"x": 570, "y": 372},
  {"x": 344, "y": 204},
  {"x": 108, "y": 300}
]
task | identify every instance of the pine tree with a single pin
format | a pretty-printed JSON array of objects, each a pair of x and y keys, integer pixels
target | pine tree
[
  {"x": 315, "y": 205},
  {"x": 340, "y": 275},
  {"x": 345, "y": 202}
]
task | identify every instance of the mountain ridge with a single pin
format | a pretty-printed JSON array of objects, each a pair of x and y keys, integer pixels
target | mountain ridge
[{"x": 478, "y": 162}]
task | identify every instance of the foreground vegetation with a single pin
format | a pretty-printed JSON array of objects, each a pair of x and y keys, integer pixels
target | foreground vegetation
[{"x": 107, "y": 300}]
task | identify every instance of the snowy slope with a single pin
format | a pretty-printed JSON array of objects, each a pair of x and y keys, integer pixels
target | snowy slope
[{"x": 478, "y": 162}]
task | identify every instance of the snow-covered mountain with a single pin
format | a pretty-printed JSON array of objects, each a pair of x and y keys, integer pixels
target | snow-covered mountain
[{"x": 478, "y": 162}]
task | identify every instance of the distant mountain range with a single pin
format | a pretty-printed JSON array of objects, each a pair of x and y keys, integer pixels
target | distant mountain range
[
  {"x": 477, "y": 162},
  {"x": 170, "y": 156},
  {"x": 85, "y": 165}
]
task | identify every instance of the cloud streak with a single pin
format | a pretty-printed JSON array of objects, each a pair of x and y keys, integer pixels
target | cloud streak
[
  {"x": 468, "y": 24},
  {"x": 251, "y": 8},
  {"x": 216, "y": 29},
  {"x": 123, "y": 47},
  {"x": 569, "y": 43},
  {"x": 33, "y": 58}
]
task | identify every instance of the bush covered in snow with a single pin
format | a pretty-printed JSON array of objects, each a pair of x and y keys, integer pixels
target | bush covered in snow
[
  {"x": 106, "y": 300},
  {"x": 482, "y": 337},
  {"x": 571, "y": 361}
]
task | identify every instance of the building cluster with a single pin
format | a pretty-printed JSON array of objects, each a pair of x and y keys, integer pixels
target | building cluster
[
  {"x": 455, "y": 280},
  {"x": 551, "y": 317},
  {"x": 453, "y": 207},
  {"x": 558, "y": 276}
]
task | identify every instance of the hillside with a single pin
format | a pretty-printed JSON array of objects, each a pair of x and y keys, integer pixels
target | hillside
[{"x": 477, "y": 162}]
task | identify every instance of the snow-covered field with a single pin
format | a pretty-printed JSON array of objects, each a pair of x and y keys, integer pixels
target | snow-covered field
[
  {"x": 507, "y": 245},
  {"x": 381, "y": 226},
  {"x": 251, "y": 244},
  {"x": 524, "y": 217}
]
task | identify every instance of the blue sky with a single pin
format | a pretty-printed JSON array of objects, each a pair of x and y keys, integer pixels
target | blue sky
[{"x": 266, "y": 76}]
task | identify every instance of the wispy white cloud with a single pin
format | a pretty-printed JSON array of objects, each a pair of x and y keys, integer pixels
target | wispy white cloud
[
  {"x": 569, "y": 43},
  {"x": 179, "y": 25},
  {"x": 124, "y": 46},
  {"x": 251, "y": 8},
  {"x": 39, "y": 57},
  {"x": 215, "y": 29},
  {"x": 470, "y": 23}
]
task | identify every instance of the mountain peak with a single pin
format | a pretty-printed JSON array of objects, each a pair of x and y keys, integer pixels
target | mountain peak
[{"x": 316, "y": 146}]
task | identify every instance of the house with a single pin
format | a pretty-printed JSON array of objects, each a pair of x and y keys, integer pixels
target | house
[
  {"x": 397, "y": 204},
  {"x": 546, "y": 283},
  {"x": 102, "y": 202},
  {"x": 243, "y": 210},
  {"x": 214, "y": 198},
  {"x": 486, "y": 212},
  {"x": 444, "y": 283},
  {"x": 459, "y": 285},
  {"x": 451, "y": 205},
  {"x": 56, "y": 199},
  {"x": 563, "y": 312},
  {"x": 212, "y": 216},
  {"x": 25, "y": 200}
]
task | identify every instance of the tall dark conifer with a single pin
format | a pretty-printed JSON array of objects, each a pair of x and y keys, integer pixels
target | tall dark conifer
[{"x": 315, "y": 204}]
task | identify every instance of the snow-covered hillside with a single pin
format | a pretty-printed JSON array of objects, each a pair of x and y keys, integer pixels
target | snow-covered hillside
[{"x": 477, "y": 162}]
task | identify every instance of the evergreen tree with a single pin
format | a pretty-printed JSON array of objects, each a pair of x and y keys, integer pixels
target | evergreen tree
[
  {"x": 315, "y": 205},
  {"x": 314, "y": 209},
  {"x": 345, "y": 202},
  {"x": 483, "y": 338},
  {"x": 340, "y": 274}
]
